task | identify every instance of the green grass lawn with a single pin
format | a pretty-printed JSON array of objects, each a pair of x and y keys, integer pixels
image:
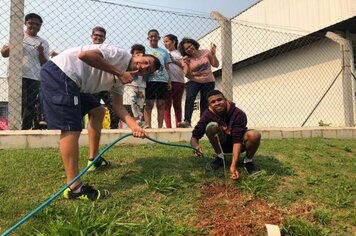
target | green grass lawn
[{"x": 155, "y": 189}]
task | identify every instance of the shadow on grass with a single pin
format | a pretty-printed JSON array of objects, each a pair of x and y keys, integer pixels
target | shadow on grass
[
  {"x": 273, "y": 166},
  {"x": 266, "y": 180},
  {"x": 183, "y": 168},
  {"x": 187, "y": 169},
  {"x": 269, "y": 164}
]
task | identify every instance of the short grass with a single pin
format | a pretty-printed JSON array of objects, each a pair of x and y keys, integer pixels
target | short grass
[{"x": 155, "y": 189}]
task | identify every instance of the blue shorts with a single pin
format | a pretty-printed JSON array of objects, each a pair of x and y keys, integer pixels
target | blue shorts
[
  {"x": 156, "y": 90},
  {"x": 87, "y": 102},
  {"x": 62, "y": 99}
]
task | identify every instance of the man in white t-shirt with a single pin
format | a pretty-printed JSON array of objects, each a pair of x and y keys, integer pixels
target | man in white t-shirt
[
  {"x": 87, "y": 69},
  {"x": 91, "y": 106},
  {"x": 35, "y": 54}
]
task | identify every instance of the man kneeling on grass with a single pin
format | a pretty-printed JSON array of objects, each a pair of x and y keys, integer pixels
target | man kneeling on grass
[{"x": 225, "y": 126}]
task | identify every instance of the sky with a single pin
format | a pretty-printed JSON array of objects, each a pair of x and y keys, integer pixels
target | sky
[{"x": 227, "y": 8}]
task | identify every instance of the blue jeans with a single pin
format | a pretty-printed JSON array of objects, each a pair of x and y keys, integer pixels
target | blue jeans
[
  {"x": 40, "y": 98},
  {"x": 191, "y": 93},
  {"x": 30, "y": 90}
]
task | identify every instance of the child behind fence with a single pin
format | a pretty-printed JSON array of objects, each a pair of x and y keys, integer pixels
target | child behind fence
[{"x": 136, "y": 89}]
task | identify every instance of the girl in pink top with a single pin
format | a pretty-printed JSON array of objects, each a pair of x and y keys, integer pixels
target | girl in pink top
[{"x": 197, "y": 65}]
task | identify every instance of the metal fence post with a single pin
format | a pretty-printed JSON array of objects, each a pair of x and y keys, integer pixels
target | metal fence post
[
  {"x": 348, "y": 96},
  {"x": 226, "y": 52},
  {"x": 15, "y": 63}
]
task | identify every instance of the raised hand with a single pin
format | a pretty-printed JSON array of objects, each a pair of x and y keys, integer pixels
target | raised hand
[
  {"x": 40, "y": 48},
  {"x": 213, "y": 48},
  {"x": 186, "y": 60}
]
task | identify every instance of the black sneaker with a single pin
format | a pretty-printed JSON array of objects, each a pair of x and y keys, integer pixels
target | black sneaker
[
  {"x": 215, "y": 164},
  {"x": 250, "y": 168},
  {"x": 101, "y": 162},
  {"x": 86, "y": 193},
  {"x": 42, "y": 123},
  {"x": 184, "y": 124}
]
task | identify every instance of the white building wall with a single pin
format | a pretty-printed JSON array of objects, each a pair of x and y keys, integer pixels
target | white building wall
[
  {"x": 283, "y": 91},
  {"x": 271, "y": 23},
  {"x": 249, "y": 41},
  {"x": 300, "y": 15}
]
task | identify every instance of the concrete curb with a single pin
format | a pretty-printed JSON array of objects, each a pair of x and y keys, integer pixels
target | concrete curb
[{"x": 23, "y": 139}]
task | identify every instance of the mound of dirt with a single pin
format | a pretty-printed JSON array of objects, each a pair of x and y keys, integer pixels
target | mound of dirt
[{"x": 225, "y": 211}]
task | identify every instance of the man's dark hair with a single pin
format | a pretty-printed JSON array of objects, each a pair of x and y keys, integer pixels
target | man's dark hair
[
  {"x": 138, "y": 47},
  {"x": 99, "y": 28},
  {"x": 152, "y": 30},
  {"x": 187, "y": 40},
  {"x": 214, "y": 92},
  {"x": 33, "y": 15},
  {"x": 156, "y": 61}
]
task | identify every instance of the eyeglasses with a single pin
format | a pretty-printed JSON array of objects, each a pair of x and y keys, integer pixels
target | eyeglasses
[
  {"x": 99, "y": 35},
  {"x": 33, "y": 23}
]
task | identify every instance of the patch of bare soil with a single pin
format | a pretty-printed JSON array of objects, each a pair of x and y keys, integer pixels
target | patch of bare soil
[{"x": 225, "y": 211}]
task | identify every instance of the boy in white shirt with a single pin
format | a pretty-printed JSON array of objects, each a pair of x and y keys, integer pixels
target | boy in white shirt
[{"x": 87, "y": 69}]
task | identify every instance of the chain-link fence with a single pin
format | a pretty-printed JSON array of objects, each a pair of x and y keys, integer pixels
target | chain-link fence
[
  {"x": 280, "y": 78},
  {"x": 288, "y": 79}
]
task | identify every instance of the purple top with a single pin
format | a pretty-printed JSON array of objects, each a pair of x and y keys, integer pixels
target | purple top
[{"x": 235, "y": 120}]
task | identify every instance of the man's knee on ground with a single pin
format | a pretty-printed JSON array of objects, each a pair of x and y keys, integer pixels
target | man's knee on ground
[
  {"x": 212, "y": 129},
  {"x": 253, "y": 136}
]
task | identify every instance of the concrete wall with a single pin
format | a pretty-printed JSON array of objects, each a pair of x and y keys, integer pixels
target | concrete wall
[{"x": 49, "y": 138}]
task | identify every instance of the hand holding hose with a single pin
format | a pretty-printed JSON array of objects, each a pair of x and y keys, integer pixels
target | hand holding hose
[
  {"x": 138, "y": 132},
  {"x": 199, "y": 151}
]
